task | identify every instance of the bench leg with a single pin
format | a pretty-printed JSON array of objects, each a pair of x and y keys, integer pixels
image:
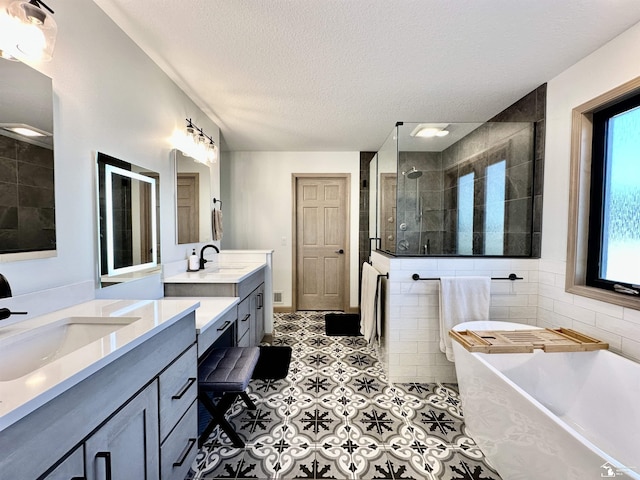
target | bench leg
[
  {"x": 248, "y": 401},
  {"x": 218, "y": 418}
]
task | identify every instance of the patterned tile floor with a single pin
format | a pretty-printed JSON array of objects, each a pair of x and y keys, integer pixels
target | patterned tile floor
[{"x": 336, "y": 416}]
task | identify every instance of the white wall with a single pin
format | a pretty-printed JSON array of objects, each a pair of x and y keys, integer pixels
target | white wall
[
  {"x": 109, "y": 97},
  {"x": 606, "y": 68},
  {"x": 257, "y": 195}
]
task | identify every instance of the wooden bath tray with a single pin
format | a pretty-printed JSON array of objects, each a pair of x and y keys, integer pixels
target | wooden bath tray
[{"x": 525, "y": 341}]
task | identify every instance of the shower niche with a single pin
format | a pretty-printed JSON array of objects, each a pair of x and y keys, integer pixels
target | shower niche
[{"x": 458, "y": 189}]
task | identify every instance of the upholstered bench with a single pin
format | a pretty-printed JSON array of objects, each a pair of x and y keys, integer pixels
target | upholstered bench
[{"x": 225, "y": 373}]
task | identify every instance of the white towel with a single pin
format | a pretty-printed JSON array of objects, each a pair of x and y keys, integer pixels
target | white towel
[
  {"x": 462, "y": 299},
  {"x": 369, "y": 311},
  {"x": 216, "y": 224}
]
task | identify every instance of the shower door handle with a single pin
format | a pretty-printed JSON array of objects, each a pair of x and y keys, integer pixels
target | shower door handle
[{"x": 341, "y": 251}]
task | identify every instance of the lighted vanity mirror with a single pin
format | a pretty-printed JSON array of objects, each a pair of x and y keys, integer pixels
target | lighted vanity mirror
[
  {"x": 27, "y": 203},
  {"x": 128, "y": 205},
  {"x": 193, "y": 200}
]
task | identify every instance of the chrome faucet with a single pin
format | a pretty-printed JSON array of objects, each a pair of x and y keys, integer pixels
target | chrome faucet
[{"x": 202, "y": 259}]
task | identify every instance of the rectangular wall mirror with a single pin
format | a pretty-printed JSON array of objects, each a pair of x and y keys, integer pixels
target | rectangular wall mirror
[
  {"x": 193, "y": 200},
  {"x": 27, "y": 194},
  {"x": 128, "y": 220}
]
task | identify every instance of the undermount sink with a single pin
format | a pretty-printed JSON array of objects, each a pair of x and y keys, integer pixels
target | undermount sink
[
  {"x": 228, "y": 269},
  {"x": 25, "y": 352}
]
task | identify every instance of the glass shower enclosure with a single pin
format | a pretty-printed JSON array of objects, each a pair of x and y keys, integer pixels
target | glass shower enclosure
[{"x": 454, "y": 189}]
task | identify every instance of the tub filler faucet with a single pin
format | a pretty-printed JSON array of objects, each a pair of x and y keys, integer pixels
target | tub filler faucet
[{"x": 202, "y": 259}]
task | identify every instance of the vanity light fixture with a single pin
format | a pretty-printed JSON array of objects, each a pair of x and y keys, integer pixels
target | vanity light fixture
[
  {"x": 196, "y": 144},
  {"x": 212, "y": 152},
  {"x": 27, "y": 31},
  {"x": 191, "y": 131},
  {"x": 430, "y": 130}
]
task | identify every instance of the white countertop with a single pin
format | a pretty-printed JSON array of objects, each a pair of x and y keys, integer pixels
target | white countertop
[
  {"x": 20, "y": 396},
  {"x": 227, "y": 272},
  {"x": 210, "y": 309},
  {"x": 209, "y": 316}
]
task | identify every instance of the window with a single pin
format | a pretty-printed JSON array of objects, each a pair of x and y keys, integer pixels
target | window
[
  {"x": 494, "y": 208},
  {"x": 465, "y": 214},
  {"x": 603, "y": 254},
  {"x": 614, "y": 228}
]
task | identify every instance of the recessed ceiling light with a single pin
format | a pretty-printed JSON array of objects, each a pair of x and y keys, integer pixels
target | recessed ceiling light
[
  {"x": 430, "y": 130},
  {"x": 25, "y": 130}
]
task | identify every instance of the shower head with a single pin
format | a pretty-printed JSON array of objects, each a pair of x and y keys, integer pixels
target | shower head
[{"x": 413, "y": 173}]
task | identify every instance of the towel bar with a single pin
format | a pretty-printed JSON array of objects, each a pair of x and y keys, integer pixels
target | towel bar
[{"x": 512, "y": 277}]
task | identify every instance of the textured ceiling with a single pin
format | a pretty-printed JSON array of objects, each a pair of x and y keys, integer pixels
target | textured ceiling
[{"x": 332, "y": 75}]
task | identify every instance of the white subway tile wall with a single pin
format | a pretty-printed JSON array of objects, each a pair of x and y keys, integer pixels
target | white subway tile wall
[
  {"x": 618, "y": 326},
  {"x": 410, "y": 347}
]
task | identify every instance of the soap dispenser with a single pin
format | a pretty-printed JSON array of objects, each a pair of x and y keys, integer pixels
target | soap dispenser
[{"x": 194, "y": 262}]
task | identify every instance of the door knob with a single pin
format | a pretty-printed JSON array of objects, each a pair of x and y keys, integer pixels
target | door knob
[{"x": 341, "y": 251}]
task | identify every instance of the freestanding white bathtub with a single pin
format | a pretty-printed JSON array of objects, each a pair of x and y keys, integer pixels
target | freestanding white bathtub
[{"x": 551, "y": 415}]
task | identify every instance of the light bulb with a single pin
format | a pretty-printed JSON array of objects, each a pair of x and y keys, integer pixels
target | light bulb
[
  {"x": 32, "y": 42},
  {"x": 34, "y": 14},
  {"x": 35, "y": 35},
  {"x": 212, "y": 152},
  {"x": 9, "y": 28},
  {"x": 191, "y": 132}
]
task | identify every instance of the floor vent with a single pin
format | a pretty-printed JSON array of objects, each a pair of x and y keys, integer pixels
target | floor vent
[{"x": 277, "y": 297}]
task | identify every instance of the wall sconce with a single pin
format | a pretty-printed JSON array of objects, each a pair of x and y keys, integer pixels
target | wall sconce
[
  {"x": 27, "y": 31},
  {"x": 196, "y": 144}
]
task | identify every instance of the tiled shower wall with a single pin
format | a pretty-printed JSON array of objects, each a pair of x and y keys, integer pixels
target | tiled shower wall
[
  {"x": 27, "y": 210},
  {"x": 364, "y": 243},
  {"x": 409, "y": 347},
  {"x": 532, "y": 108},
  {"x": 438, "y": 221},
  {"x": 428, "y": 206}
]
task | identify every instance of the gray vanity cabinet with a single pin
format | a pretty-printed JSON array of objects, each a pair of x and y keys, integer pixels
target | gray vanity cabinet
[
  {"x": 72, "y": 468},
  {"x": 250, "y": 326},
  {"x": 126, "y": 446},
  {"x": 250, "y": 329},
  {"x": 134, "y": 418},
  {"x": 178, "y": 388},
  {"x": 257, "y": 298},
  {"x": 245, "y": 320}
]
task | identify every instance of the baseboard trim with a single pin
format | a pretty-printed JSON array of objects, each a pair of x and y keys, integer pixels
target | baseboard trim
[
  {"x": 289, "y": 309},
  {"x": 282, "y": 310}
]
